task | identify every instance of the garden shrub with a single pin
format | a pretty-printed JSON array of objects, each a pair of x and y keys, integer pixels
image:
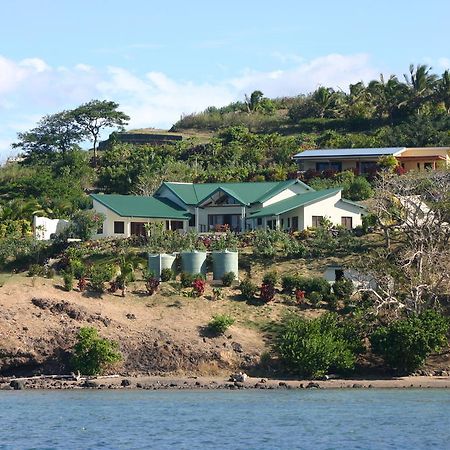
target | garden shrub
[
  {"x": 198, "y": 287},
  {"x": 99, "y": 276},
  {"x": 228, "y": 278},
  {"x": 186, "y": 279},
  {"x": 77, "y": 267},
  {"x": 405, "y": 343},
  {"x": 220, "y": 323},
  {"x": 93, "y": 354},
  {"x": 166, "y": 274},
  {"x": 270, "y": 278},
  {"x": 315, "y": 298},
  {"x": 343, "y": 288},
  {"x": 289, "y": 283},
  {"x": 314, "y": 284},
  {"x": 248, "y": 289},
  {"x": 36, "y": 270},
  {"x": 331, "y": 300},
  {"x": 68, "y": 281},
  {"x": 314, "y": 347}
]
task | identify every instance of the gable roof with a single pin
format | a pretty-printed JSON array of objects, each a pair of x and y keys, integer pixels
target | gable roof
[
  {"x": 142, "y": 206},
  {"x": 348, "y": 152},
  {"x": 294, "y": 202},
  {"x": 226, "y": 190},
  {"x": 245, "y": 193}
]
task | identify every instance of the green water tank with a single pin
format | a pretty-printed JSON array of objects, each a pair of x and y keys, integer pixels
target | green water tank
[
  {"x": 224, "y": 262},
  {"x": 193, "y": 262},
  {"x": 159, "y": 261}
]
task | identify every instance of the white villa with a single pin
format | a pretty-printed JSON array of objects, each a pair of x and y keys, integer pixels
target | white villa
[{"x": 285, "y": 205}]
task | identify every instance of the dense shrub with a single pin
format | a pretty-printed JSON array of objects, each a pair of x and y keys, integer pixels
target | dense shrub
[
  {"x": 220, "y": 323},
  {"x": 78, "y": 268},
  {"x": 343, "y": 288},
  {"x": 228, "y": 278},
  {"x": 313, "y": 284},
  {"x": 331, "y": 300},
  {"x": 186, "y": 279},
  {"x": 92, "y": 354},
  {"x": 289, "y": 283},
  {"x": 36, "y": 270},
  {"x": 404, "y": 344},
  {"x": 166, "y": 274},
  {"x": 68, "y": 281},
  {"x": 315, "y": 298},
  {"x": 270, "y": 278},
  {"x": 314, "y": 347},
  {"x": 248, "y": 289},
  {"x": 100, "y": 275}
]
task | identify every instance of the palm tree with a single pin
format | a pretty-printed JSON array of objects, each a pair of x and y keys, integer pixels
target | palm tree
[
  {"x": 443, "y": 90},
  {"x": 324, "y": 99},
  {"x": 421, "y": 84},
  {"x": 387, "y": 97}
]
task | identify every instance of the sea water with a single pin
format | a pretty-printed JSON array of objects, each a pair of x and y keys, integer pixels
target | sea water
[{"x": 288, "y": 419}]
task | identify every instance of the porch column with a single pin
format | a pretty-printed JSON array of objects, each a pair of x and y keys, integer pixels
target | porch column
[
  {"x": 277, "y": 222},
  {"x": 264, "y": 223},
  {"x": 242, "y": 218}
]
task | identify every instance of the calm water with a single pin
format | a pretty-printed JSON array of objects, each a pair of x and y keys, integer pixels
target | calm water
[{"x": 363, "y": 419}]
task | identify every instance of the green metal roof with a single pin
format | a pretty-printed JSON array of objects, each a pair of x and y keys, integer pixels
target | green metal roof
[
  {"x": 247, "y": 193},
  {"x": 281, "y": 186},
  {"x": 226, "y": 191},
  {"x": 143, "y": 207},
  {"x": 293, "y": 202}
]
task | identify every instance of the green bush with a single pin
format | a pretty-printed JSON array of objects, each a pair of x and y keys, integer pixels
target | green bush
[
  {"x": 248, "y": 289},
  {"x": 315, "y": 298},
  {"x": 359, "y": 189},
  {"x": 92, "y": 354},
  {"x": 405, "y": 344},
  {"x": 186, "y": 279},
  {"x": 314, "y": 347},
  {"x": 36, "y": 270},
  {"x": 166, "y": 274},
  {"x": 228, "y": 278},
  {"x": 68, "y": 281},
  {"x": 100, "y": 275},
  {"x": 331, "y": 300},
  {"x": 289, "y": 283},
  {"x": 77, "y": 267},
  {"x": 314, "y": 284},
  {"x": 270, "y": 278},
  {"x": 220, "y": 323},
  {"x": 343, "y": 288}
]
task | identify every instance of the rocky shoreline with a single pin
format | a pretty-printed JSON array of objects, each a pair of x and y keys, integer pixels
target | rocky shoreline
[{"x": 218, "y": 383}]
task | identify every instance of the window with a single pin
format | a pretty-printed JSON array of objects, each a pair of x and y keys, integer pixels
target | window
[
  {"x": 282, "y": 224},
  {"x": 368, "y": 166},
  {"x": 289, "y": 222},
  {"x": 428, "y": 166},
  {"x": 347, "y": 222},
  {"x": 317, "y": 221},
  {"x": 338, "y": 274},
  {"x": 295, "y": 223},
  {"x": 192, "y": 221},
  {"x": 176, "y": 225},
  {"x": 259, "y": 221},
  {"x": 100, "y": 228},
  {"x": 271, "y": 224},
  {"x": 119, "y": 227}
]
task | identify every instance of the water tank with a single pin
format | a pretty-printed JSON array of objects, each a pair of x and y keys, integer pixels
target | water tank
[
  {"x": 159, "y": 261},
  {"x": 224, "y": 262},
  {"x": 193, "y": 262}
]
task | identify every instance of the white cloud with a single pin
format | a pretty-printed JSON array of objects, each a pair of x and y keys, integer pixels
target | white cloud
[
  {"x": 444, "y": 63},
  {"x": 31, "y": 88}
]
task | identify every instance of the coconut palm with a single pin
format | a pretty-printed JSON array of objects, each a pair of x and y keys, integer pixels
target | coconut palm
[
  {"x": 324, "y": 100},
  {"x": 443, "y": 90},
  {"x": 421, "y": 84}
]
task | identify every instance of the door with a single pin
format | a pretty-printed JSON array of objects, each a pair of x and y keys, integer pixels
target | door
[
  {"x": 347, "y": 222},
  {"x": 138, "y": 229}
]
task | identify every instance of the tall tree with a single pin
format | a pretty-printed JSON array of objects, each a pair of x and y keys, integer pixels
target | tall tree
[
  {"x": 96, "y": 115},
  {"x": 55, "y": 133},
  {"x": 443, "y": 90},
  {"x": 421, "y": 83}
]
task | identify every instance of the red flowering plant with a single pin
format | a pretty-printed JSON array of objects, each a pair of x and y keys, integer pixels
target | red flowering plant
[
  {"x": 267, "y": 292},
  {"x": 299, "y": 296},
  {"x": 198, "y": 287}
]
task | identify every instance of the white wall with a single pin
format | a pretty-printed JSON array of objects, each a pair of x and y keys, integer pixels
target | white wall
[
  {"x": 44, "y": 227},
  {"x": 167, "y": 193},
  {"x": 334, "y": 209}
]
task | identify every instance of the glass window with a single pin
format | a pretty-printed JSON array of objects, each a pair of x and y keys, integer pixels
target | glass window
[
  {"x": 317, "y": 221},
  {"x": 119, "y": 227},
  {"x": 347, "y": 222},
  {"x": 259, "y": 221}
]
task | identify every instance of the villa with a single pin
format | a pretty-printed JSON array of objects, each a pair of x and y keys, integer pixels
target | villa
[
  {"x": 285, "y": 205},
  {"x": 364, "y": 160}
]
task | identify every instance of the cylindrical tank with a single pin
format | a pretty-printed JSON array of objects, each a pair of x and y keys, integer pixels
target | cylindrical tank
[
  {"x": 193, "y": 262},
  {"x": 224, "y": 262},
  {"x": 159, "y": 261}
]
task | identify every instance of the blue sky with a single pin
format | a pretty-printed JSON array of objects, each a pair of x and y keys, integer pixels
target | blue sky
[{"x": 162, "y": 59}]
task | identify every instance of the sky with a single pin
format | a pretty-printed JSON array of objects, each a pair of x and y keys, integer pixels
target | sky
[{"x": 160, "y": 60}]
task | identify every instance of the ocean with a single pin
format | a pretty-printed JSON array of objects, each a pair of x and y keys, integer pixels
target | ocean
[{"x": 256, "y": 419}]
